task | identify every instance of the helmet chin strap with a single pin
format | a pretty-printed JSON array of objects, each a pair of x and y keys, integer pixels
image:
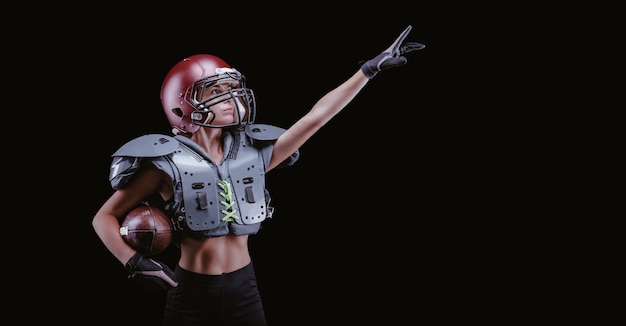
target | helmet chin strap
[
  {"x": 208, "y": 114},
  {"x": 176, "y": 132},
  {"x": 241, "y": 109}
]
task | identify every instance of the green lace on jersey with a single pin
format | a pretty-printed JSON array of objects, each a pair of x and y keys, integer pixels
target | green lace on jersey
[{"x": 227, "y": 194}]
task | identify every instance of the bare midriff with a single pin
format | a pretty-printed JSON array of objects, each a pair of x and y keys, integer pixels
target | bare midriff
[{"x": 214, "y": 256}]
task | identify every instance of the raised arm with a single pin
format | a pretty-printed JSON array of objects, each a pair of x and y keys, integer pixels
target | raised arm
[{"x": 334, "y": 101}]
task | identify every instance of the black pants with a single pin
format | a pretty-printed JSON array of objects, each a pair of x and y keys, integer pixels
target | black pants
[{"x": 227, "y": 299}]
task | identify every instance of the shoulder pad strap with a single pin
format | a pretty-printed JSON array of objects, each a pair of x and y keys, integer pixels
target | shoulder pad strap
[
  {"x": 152, "y": 145},
  {"x": 263, "y": 132},
  {"x": 192, "y": 145}
]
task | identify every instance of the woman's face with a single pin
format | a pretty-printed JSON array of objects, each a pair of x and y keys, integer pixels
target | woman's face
[{"x": 220, "y": 103}]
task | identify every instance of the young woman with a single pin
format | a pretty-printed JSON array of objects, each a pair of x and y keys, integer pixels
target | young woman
[{"x": 210, "y": 180}]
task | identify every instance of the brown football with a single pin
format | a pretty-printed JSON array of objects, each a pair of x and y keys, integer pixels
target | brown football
[{"x": 147, "y": 230}]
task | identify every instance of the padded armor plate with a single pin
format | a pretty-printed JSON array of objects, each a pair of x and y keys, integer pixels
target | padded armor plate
[
  {"x": 261, "y": 131},
  {"x": 152, "y": 145}
]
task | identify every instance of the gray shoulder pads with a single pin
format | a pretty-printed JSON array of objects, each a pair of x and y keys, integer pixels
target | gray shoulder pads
[
  {"x": 152, "y": 145},
  {"x": 260, "y": 131}
]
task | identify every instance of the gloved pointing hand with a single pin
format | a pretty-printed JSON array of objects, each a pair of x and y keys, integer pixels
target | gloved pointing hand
[
  {"x": 392, "y": 57},
  {"x": 149, "y": 273}
]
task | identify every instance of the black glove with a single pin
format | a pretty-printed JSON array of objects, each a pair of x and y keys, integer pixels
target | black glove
[
  {"x": 392, "y": 57},
  {"x": 149, "y": 273}
]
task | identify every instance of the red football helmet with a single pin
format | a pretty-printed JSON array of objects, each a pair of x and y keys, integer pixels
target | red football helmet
[{"x": 187, "y": 107}]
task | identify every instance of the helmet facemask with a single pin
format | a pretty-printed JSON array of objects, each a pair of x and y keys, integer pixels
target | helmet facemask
[{"x": 242, "y": 98}]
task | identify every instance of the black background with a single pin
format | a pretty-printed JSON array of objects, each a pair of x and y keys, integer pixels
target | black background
[{"x": 382, "y": 219}]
